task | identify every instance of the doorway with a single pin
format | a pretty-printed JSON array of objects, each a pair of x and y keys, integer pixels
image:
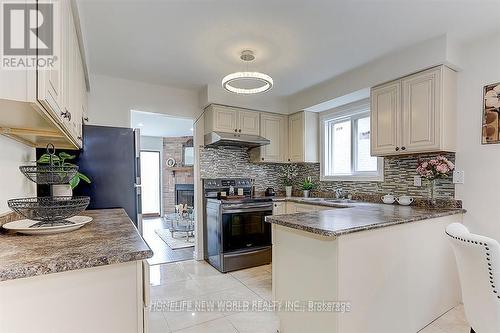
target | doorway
[
  {"x": 167, "y": 168},
  {"x": 151, "y": 183}
]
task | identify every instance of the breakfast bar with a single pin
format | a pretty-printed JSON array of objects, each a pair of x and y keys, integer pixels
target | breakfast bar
[{"x": 390, "y": 265}]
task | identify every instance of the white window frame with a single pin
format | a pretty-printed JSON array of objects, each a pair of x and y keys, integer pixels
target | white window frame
[{"x": 351, "y": 111}]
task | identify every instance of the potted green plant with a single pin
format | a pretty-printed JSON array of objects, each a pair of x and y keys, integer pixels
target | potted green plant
[
  {"x": 289, "y": 172},
  {"x": 307, "y": 186},
  {"x": 61, "y": 160}
]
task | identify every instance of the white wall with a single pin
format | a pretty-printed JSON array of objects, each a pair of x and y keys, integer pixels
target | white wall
[
  {"x": 481, "y": 163},
  {"x": 414, "y": 58},
  {"x": 111, "y": 99},
  {"x": 14, "y": 184},
  {"x": 262, "y": 102}
]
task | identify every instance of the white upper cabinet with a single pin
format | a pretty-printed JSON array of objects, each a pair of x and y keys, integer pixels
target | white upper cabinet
[
  {"x": 273, "y": 127},
  {"x": 415, "y": 114},
  {"x": 385, "y": 105},
  {"x": 421, "y": 112},
  {"x": 249, "y": 122},
  {"x": 225, "y": 119},
  {"x": 49, "y": 102},
  {"x": 50, "y": 81},
  {"x": 303, "y": 137},
  {"x": 220, "y": 118}
]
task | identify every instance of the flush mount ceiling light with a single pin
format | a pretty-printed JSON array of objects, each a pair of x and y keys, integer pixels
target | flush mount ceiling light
[{"x": 264, "y": 81}]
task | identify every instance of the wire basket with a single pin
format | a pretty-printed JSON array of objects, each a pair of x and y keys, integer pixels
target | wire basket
[
  {"x": 49, "y": 209},
  {"x": 49, "y": 174}
]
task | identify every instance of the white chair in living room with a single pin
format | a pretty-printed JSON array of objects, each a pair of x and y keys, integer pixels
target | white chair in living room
[{"x": 478, "y": 261}]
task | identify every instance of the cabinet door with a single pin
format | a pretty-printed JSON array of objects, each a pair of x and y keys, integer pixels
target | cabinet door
[
  {"x": 273, "y": 127},
  {"x": 249, "y": 122},
  {"x": 225, "y": 119},
  {"x": 49, "y": 92},
  {"x": 421, "y": 111},
  {"x": 279, "y": 208},
  {"x": 296, "y": 137},
  {"x": 385, "y": 110}
]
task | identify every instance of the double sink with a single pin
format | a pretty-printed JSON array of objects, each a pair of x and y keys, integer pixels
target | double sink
[{"x": 345, "y": 201}]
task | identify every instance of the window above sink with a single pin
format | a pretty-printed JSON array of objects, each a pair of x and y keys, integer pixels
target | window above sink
[{"x": 345, "y": 145}]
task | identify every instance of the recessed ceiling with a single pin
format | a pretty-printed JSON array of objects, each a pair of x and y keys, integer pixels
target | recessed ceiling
[
  {"x": 189, "y": 44},
  {"x": 154, "y": 124}
]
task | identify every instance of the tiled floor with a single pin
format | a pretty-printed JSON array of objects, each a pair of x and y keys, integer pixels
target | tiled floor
[
  {"x": 196, "y": 281},
  {"x": 162, "y": 252}
]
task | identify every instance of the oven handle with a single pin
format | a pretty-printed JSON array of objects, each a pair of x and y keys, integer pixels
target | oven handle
[{"x": 247, "y": 210}]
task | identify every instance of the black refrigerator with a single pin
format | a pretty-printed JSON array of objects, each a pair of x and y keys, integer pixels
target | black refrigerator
[{"x": 110, "y": 157}]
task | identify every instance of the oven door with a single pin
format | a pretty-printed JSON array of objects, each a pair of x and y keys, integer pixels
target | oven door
[{"x": 244, "y": 227}]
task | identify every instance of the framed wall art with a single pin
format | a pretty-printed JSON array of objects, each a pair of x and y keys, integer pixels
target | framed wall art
[{"x": 491, "y": 111}]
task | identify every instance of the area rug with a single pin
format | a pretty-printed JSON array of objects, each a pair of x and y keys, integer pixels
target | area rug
[{"x": 177, "y": 242}]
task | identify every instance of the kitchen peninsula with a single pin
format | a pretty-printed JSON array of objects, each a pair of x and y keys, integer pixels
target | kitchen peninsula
[
  {"x": 94, "y": 279},
  {"x": 391, "y": 263}
]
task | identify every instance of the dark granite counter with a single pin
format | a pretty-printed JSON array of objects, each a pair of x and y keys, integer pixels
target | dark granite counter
[
  {"x": 350, "y": 216},
  {"x": 110, "y": 238}
]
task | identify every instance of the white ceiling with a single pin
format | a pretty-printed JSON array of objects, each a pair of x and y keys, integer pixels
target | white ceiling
[
  {"x": 154, "y": 124},
  {"x": 189, "y": 44}
]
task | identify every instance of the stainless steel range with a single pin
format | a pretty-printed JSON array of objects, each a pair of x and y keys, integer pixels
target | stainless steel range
[{"x": 236, "y": 235}]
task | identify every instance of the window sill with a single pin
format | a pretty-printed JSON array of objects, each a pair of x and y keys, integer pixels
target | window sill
[{"x": 352, "y": 178}]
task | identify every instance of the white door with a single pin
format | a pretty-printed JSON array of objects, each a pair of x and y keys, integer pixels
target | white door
[
  {"x": 421, "y": 111},
  {"x": 248, "y": 122},
  {"x": 150, "y": 180},
  {"x": 272, "y": 128},
  {"x": 385, "y": 110}
]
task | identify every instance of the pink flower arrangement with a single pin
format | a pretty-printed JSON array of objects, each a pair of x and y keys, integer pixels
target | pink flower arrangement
[{"x": 438, "y": 167}]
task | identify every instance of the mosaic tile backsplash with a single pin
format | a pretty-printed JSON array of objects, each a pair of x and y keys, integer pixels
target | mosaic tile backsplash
[{"x": 398, "y": 174}]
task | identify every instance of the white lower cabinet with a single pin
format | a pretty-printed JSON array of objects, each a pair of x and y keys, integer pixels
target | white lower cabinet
[
  {"x": 110, "y": 298},
  {"x": 295, "y": 207},
  {"x": 279, "y": 208}
]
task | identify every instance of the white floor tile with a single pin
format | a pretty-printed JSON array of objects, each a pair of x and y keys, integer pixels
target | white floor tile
[
  {"x": 158, "y": 323},
  {"x": 181, "y": 320},
  {"x": 216, "y": 326},
  {"x": 255, "y": 322}
]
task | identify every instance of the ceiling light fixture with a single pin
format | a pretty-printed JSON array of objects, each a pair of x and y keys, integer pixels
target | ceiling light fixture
[{"x": 265, "y": 80}]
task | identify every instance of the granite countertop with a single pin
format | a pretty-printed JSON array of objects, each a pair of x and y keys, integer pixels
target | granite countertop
[
  {"x": 110, "y": 238},
  {"x": 349, "y": 217}
]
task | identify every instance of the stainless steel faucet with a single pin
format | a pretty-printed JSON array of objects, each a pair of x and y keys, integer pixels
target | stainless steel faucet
[{"x": 340, "y": 193}]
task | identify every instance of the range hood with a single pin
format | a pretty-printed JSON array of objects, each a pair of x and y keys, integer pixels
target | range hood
[{"x": 221, "y": 139}]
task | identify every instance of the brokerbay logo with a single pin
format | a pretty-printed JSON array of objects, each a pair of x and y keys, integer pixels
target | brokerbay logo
[{"x": 28, "y": 35}]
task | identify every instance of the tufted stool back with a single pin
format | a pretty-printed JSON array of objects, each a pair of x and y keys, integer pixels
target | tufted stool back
[{"x": 478, "y": 262}]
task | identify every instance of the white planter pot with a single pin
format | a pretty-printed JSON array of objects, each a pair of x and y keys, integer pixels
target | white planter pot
[
  {"x": 288, "y": 191},
  {"x": 306, "y": 193},
  {"x": 63, "y": 190}
]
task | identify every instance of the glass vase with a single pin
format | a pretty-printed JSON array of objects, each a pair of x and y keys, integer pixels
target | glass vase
[{"x": 432, "y": 191}]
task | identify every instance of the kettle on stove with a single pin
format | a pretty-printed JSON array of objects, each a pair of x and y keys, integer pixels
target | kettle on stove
[{"x": 270, "y": 192}]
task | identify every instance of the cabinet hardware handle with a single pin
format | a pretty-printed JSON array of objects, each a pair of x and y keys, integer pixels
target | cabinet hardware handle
[
  {"x": 288, "y": 160},
  {"x": 86, "y": 119},
  {"x": 239, "y": 130},
  {"x": 397, "y": 148},
  {"x": 236, "y": 130},
  {"x": 66, "y": 114},
  {"x": 79, "y": 137},
  {"x": 403, "y": 148},
  {"x": 262, "y": 158}
]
